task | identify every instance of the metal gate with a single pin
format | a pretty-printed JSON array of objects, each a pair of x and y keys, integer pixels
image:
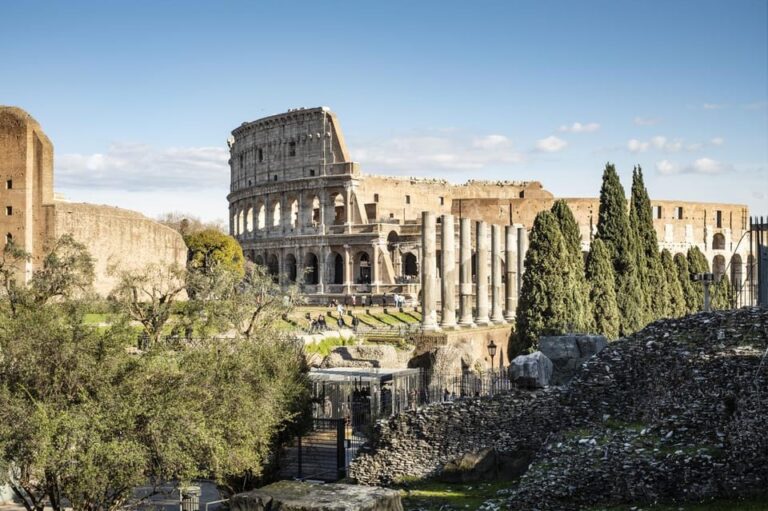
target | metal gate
[{"x": 321, "y": 454}]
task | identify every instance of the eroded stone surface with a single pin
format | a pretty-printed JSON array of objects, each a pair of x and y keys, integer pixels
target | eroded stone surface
[
  {"x": 303, "y": 496},
  {"x": 531, "y": 371}
]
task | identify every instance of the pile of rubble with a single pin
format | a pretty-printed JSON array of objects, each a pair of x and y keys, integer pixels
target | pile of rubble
[{"x": 675, "y": 412}]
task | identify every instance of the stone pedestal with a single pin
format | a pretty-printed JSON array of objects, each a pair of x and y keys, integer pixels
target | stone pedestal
[
  {"x": 465, "y": 272},
  {"x": 483, "y": 261},
  {"x": 448, "y": 271},
  {"x": 428, "y": 272}
]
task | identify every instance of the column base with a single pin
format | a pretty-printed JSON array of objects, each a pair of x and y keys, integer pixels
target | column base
[
  {"x": 430, "y": 328},
  {"x": 467, "y": 323},
  {"x": 450, "y": 326},
  {"x": 498, "y": 321},
  {"x": 509, "y": 317}
]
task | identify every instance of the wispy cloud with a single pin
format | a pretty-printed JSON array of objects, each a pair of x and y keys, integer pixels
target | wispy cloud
[
  {"x": 757, "y": 105},
  {"x": 703, "y": 166},
  {"x": 436, "y": 152},
  {"x": 667, "y": 145},
  {"x": 141, "y": 167},
  {"x": 551, "y": 144},
  {"x": 578, "y": 127},
  {"x": 712, "y": 106},
  {"x": 646, "y": 121}
]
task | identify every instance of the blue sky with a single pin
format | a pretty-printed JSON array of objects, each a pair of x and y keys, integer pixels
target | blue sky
[{"x": 139, "y": 97}]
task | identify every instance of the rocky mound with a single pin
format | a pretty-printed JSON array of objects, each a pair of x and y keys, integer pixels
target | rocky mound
[
  {"x": 675, "y": 412},
  {"x": 678, "y": 411}
]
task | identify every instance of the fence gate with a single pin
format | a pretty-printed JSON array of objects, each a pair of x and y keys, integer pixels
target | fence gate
[{"x": 320, "y": 454}]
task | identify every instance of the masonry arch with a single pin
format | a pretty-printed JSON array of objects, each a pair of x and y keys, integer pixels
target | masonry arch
[
  {"x": 410, "y": 265},
  {"x": 249, "y": 220},
  {"x": 338, "y": 209},
  {"x": 258, "y": 259},
  {"x": 336, "y": 268},
  {"x": 291, "y": 268},
  {"x": 362, "y": 267},
  {"x": 315, "y": 210},
  {"x": 261, "y": 216},
  {"x": 718, "y": 241},
  {"x": 293, "y": 212},
  {"x": 718, "y": 266},
  {"x": 276, "y": 218},
  {"x": 310, "y": 269},
  {"x": 392, "y": 241},
  {"x": 273, "y": 266}
]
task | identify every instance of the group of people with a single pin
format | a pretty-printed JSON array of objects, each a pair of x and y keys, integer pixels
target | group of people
[{"x": 318, "y": 324}]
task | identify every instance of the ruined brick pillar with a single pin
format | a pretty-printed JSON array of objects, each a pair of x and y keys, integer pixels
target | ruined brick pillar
[
  {"x": 448, "y": 271},
  {"x": 465, "y": 272},
  {"x": 483, "y": 261},
  {"x": 522, "y": 248},
  {"x": 497, "y": 315},
  {"x": 510, "y": 257},
  {"x": 428, "y": 271}
]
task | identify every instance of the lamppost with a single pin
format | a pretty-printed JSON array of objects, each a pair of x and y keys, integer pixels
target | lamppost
[
  {"x": 492, "y": 352},
  {"x": 706, "y": 279}
]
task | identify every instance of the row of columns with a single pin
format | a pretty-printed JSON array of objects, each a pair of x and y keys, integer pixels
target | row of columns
[{"x": 511, "y": 247}]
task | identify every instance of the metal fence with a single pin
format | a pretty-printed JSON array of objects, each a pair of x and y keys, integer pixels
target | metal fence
[{"x": 440, "y": 388}]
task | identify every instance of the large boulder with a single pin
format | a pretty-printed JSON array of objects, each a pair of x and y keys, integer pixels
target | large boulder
[
  {"x": 569, "y": 352},
  {"x": 486, "y": 465},
  {"x": 303, "y": 496},
  {"x": 531, "y": 371}
]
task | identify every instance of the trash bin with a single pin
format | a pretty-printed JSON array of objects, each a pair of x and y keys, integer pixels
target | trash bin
[{"x": 189, "y": 498}]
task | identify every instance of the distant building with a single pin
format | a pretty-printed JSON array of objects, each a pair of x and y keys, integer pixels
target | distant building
[
  {"x": 32, "y": 217},
  {"x": 300, "y": 206}
]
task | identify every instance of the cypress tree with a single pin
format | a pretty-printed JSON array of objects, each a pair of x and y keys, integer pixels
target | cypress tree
[
  {"x": 578, "y": 313},
  {"x": 602, "y": 292},
  {"x": 722, "y": 294},
  {"x": 676, "y": 305},
  {"x": 542, "y": 308},
  {"x": 684, "y": 278},
  {"x": 613, "y": 228},
  {"x": 697, "y": 263},
  {"x": 650, "y": 270}
]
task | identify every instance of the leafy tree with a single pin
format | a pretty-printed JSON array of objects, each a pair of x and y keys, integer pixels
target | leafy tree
[
  {"x": 148, "y": 295},
  {"x": 578, "y": 310},
  {"x": 186, "y": 224},
  {"x": 676, "y": 305},
  {"x": 211, "y": 247},
  {"x": 602, "y": 290},
  {"x": 614, "y": 230},
  {"x": 650, "y": 270},
  {"x": 684, "y": 279},
  {"x": 697, "y": 263},
  {"x": 542, "y": 306},
  {"x": 722, "y": 294}
]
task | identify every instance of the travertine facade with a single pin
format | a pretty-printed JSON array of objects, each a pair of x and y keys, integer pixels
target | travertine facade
[
  {"x": 299, "y": 204},
  {"x": 32, "y": 219}
]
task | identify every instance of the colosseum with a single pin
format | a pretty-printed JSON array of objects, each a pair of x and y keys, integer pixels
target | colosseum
[
  {"x": 300, "y": 206},
  {"x": 33, "y": 217}
]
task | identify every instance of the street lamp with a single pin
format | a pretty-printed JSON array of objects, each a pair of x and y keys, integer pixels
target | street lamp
[{"x": 492, "y": 352}]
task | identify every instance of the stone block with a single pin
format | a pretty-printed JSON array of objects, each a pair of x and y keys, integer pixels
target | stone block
[
  {"x": 531, "y": 371},
  {"x": 303, "y": 496},
  {"x": 569, "y": 352}
]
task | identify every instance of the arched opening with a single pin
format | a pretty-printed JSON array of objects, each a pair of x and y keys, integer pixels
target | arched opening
[
  {"x": 392, "y": 240},
  {"x": 337, "y": 268},
  {"x": 718, "y": 241},
  {"x": 291, "y": 269},
  {"x": 315, "y": 211},
  {"x": 410, "y": 266},
  {"x": 241, "y": 222},
  {"x": 362, "y": 268},
  {"x": 737, "y": 273},
  {"x": 339, "y": 211},
  {"x": 294, "y": 212},
  {"x": 249, "y": 220},
  {"x": 261, "y": 222},
  {"x": 276, "y": 214},
  {"x": 273, "y": 266},
  {"x": 310, "y": 269},
  {"x": 718, "y": 266},
  {"x": 258, "y": 260}
]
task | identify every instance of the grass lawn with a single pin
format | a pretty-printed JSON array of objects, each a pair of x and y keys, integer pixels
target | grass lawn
[{"x": 433, "y": 495}]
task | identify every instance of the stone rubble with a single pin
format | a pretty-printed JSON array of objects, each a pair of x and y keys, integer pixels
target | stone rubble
[{"x": 676, "y": 412}]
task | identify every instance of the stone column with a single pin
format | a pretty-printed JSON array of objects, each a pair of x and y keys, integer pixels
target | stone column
[
  {"x": 448, "y": 271},
  {"x": 321, "y": 257},
  {"x": 510, "y": 257},
  {"x": 497, "y": 315},
  {"x": 375, "y": 268},
  {"x": 323, "y": 199},
  {"x": 522, "y": 248},
  {"x": 348, "y": 209},
  {"x": 300, "y": 214},
  {"x": 285, "y": 215},
  {"x": 428, "y": 272},
  {"x": 348, "y": 279},
  {"x": 482, "y": 273},
  {"x": 465, "y": 272}
]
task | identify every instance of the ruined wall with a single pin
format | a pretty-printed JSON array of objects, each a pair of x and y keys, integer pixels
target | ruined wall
[{"x": 119, "y": 237}]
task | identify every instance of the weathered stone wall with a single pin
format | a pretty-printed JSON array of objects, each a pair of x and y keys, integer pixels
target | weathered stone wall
[{"x": 118, "y": 237}]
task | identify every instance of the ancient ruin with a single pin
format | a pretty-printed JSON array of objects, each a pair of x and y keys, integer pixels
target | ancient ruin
[
  {"x": 300, "y": 206},
  {"x": 33, "y": 217}
]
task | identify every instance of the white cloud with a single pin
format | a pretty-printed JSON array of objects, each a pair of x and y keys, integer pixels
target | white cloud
[
  {"x": 636, "y": 146},
  {"x": 435, "y": 153},
  {"x": 551, "y": 144},
  {"x": 702, "y": 166},
  {"x": 646, "y": 121},
  {"x": 717, "y": 141},
  {"x": 712, "y": 106},
  {"x": 140, "y": 167},
  {"x": 757, "y": 105},
  {"x": 578, "y": 127}
]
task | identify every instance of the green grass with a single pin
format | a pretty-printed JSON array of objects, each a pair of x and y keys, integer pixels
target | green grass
[
  {"x": 434, "y": 495},
  {"x": 325, "y": 346},
  {"x": 96, "y": 318}
]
